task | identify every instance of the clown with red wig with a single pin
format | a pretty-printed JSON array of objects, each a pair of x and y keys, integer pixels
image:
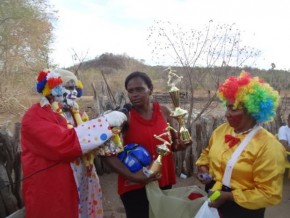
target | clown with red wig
[
  {"x": 244, "y": 162},
  {"x": 59, "y": 177}
]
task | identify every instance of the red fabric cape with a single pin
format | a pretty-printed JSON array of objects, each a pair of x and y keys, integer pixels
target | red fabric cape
[{"x": 48, "y": 146}]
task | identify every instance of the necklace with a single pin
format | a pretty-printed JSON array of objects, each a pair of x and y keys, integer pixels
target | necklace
[{"x": 246, "y": 131}]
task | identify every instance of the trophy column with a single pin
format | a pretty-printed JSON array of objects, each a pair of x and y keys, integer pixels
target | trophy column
[
  {"x": 162, "y": 150},
  {"x": 178, "y": 112}
]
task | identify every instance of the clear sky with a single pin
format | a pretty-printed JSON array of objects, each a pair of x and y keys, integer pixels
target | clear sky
[{"x": 93, "y": 27}]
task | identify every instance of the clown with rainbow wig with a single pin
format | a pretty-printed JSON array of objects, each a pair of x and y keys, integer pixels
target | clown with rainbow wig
[
  {"x": 252, "y": 93},
  {"x": 244, "y": 161},
  {"x": 57, "y": 142}
]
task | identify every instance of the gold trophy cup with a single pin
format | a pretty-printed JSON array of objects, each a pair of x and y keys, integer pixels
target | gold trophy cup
[{"x": 178, "y": 112}]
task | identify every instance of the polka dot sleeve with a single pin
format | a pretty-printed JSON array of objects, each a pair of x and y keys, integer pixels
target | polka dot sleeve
[{"x": 93, "y": 133}]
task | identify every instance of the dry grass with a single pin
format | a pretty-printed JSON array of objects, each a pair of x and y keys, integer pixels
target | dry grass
[{"x": 17, "y": 92}]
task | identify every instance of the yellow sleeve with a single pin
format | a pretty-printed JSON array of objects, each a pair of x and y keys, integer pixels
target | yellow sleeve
[
  {"x": 268, "y": 170},
  {"x": 205, "y": 160}
]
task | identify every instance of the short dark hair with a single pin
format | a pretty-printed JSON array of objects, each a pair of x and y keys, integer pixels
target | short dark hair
[{"x": 141, "y": 75}]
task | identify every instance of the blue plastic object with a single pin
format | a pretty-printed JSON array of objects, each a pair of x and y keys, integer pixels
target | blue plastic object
[{"x": 135, "y": 157}]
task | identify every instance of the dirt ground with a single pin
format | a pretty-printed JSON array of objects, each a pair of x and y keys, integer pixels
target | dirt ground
[{"x": 113, "y": 207}]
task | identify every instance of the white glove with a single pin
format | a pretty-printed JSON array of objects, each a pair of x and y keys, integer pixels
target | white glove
[{"x": 115, "y": 118}]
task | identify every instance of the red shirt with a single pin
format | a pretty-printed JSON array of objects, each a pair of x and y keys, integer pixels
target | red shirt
[{"x": 141, "y": 132}]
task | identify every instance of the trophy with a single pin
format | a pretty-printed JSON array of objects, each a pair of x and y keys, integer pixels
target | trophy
[
  {"x": 161, "y": 149},
  {"x": 116, "y": 141},
  {"x": 178, "y": 112}
]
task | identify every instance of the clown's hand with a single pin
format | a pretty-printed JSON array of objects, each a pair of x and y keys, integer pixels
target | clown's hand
[{"x": 115, "y": 118}]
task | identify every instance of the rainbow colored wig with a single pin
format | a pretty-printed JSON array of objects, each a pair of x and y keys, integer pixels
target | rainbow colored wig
[
  {"x": 252, "y": 93},
  {"x": 46, "y": 81}
]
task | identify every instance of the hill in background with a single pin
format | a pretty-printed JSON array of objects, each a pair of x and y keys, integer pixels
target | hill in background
[{"x": 115, "y": 68}]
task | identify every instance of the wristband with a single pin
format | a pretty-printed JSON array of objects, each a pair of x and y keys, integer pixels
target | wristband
[
  {"x": 147, "y": 172},
  {"x": 215, "y": 196}
]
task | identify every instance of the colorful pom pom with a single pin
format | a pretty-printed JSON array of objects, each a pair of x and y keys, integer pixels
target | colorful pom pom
[
  {"x": 46, "y": 81},
  {"x": 79, "y": 88},
  {"x": 54, "y": 81},
  {"x": 80, "y": 92},
  {"x": 46, "y": 91},
  {"x": 80, "y": 84},
  {"x": 42, "y": 76},
  {"x": 40, "y": 85}
]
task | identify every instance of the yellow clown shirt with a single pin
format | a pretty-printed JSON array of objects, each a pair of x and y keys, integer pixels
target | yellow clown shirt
[{"x": 257, "y": 177}]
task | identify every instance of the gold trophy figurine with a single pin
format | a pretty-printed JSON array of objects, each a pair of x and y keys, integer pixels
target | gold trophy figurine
[
  {"x": 178, "y": 112},
  {"x": 162, "y": 149},
  {"x": 116, "y": 140}
]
